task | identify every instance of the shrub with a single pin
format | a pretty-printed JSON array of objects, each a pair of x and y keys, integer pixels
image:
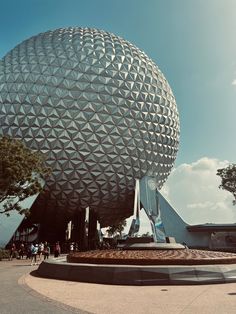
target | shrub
[{"x": 4, "y": 254}]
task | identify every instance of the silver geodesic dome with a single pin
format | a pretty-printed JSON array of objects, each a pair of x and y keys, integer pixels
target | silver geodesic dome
[{"x": 98, "y": 108}]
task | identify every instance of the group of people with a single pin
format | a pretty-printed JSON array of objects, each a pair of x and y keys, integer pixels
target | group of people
[
  {"x": 34, "y": 251},
  {"x": 19, "y": 251},
  {"x": 39, "y": 250}
]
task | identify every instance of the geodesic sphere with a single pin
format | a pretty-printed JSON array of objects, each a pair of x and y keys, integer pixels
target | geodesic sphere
[{"x": 98, "y": 108}]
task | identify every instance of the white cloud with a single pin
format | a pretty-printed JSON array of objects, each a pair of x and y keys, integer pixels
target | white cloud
[
  {"x": 193, "y": 191},
  {"x": 234, "y": 82}
]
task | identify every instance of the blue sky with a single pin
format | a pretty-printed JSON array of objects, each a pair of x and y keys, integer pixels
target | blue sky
[{"x": 192, "y": 42}]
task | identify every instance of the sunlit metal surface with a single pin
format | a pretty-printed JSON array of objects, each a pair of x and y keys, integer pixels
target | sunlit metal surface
[{"x": 101, "y": 111}]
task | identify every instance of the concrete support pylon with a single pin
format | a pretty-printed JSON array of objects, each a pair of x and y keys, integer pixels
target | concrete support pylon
[
  {"x": 82, "y": 243},
  {"x": 92, "y": 230}
]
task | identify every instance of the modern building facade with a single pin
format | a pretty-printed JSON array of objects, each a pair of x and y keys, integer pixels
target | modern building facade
[{"x": 99, "y": 109}]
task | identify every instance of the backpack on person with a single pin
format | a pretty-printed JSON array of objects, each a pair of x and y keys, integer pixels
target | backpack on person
[{"x": 34, "y": 250}]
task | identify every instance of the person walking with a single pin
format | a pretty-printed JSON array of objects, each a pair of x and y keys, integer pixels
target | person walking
[
  {"x": 22, "y": 251},
  {"x": 72, "y": 247},
  {"x": 34, "y": 252},
  {"x": 40, "y": 250},
  {"x": 46, "y": 250},
  {"x": 57, "y": 250},
  {"x": 28, "y": 251},
  {"x": 12, "y": 251}
]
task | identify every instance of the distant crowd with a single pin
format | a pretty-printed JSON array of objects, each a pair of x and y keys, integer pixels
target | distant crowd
[{"x": 36, "y": 252}]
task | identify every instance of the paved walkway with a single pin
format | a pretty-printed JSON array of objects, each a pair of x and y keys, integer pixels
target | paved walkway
[
  {"x": 18, "y": 298},
  {"x": 38, "y": 295}
]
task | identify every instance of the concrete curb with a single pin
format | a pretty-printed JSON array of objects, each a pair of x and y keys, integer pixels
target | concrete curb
[{"x": 138, "y": 275}]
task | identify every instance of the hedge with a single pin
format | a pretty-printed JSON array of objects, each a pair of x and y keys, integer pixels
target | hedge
[{"x": 4, "y": 254}]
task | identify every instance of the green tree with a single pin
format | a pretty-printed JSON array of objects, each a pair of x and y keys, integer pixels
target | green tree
[
  {"x": 228, "y": 179},
  {"x": 21, "y": 171},
  {"x": 116, "y": 228}
]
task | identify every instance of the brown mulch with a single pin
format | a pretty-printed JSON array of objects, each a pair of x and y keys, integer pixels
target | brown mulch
[{"x": 152, "y": 257}]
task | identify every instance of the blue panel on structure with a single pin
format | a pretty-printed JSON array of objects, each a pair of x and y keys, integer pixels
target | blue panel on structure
[
  {"x": 177, "y": 228},
  {"x": 8, "y": 225}
]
